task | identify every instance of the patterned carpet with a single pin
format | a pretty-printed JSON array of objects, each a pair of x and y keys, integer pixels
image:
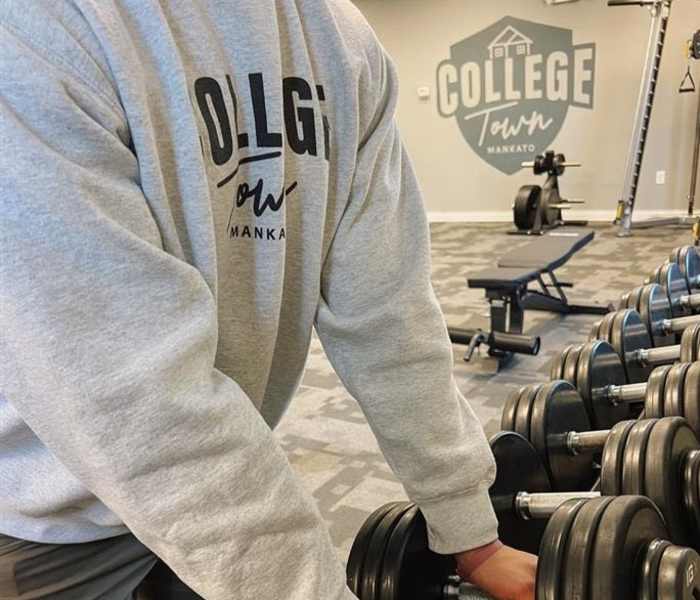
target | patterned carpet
[{"x": 325, "y": 434}]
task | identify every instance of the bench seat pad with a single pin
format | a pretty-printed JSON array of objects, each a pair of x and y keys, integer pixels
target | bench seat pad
[{"x": 550, "y": 251}]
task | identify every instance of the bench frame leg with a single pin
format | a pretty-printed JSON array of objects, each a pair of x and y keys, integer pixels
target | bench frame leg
[{"x": 544, "y": 300}]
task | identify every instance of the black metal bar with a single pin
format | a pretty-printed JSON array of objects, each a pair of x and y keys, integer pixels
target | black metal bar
[
  {"x": 590, "y": 309},
  {"x": 558, "y": 287},
  {"x": 694, "y": 168},
  {"x": 543, "y": 285},
  {"x": 545, "y": 302}
]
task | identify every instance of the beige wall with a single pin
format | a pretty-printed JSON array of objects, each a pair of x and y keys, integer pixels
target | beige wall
[{"x": 419, "y": 33}]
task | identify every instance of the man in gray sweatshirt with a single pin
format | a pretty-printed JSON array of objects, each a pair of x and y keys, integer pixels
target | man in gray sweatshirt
[{"x": 187, "y": 189}]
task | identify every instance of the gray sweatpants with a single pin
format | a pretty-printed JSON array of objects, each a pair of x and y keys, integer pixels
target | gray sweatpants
[{"x": 119, "y": 568}]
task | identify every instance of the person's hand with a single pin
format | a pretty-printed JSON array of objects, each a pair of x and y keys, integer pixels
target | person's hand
[{"x": 506, "y": 575}]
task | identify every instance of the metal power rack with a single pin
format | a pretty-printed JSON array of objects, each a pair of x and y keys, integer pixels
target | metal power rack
[{"x": 660, "y": 11}]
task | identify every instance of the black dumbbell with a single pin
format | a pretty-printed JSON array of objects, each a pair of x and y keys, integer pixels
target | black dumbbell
[
  {"x": 390, "y": 560},
  {"x": 627, "y": 333},
  {"x": 653, "y": 305},
  {"x": 683, "y": 300},
  {"x": 595, "y": 369},
  {"x": 688, "y": 259},
  {"x": 671, "y": 279},
  {"x": 544, "y": 413}
]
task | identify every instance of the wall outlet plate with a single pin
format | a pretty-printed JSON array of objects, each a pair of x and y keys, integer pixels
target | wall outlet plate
[{"x": 661, "y": 177}]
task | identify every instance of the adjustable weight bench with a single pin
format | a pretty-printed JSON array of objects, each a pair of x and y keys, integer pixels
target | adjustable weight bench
[{"x": 510, "y": 292}]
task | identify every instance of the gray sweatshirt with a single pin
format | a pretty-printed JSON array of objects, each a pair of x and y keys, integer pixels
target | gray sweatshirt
[{"x": 187, "y": 189}]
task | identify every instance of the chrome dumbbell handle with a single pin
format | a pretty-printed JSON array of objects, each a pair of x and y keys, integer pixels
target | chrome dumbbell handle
[
  {"x": 542, "y": 506},
  {"x": 589, "y": 441},
  {"x": 622, "y": 394},
  {"x": 679, "y": 325},
  {"x": 456, "y": 589},
  {"x": 691, "y": 301},
  {"x": 655, "y": 357}
]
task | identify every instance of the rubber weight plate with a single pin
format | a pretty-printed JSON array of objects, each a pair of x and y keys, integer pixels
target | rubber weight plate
[
  {"x": 361, "y": 545},
  {"x": 613, "y": 458},
  {"x": 635, "y": 297},
  {"x": 679, "y": 574},
  {"x": 556, "y": 371},
  {"x": 654, "y": 277},
  {"x": 673, "y": 282},
  {"x": 525, "y": 207},
  {"x": 635, "y": 457},
  {"x": 553, "y": 550},
  {"x": 598, "y": 367},
  {"x": 627, "y": 527},
  {"x": 690, "y": 345},
  {"x": 410, "y": 570},
  {"x": 650, "y": 570},
  {"x": 675, "y": 391},
  {"x": 518, "y": 468},
  {"x": 691, "y": 397},
  {"x": 675, "y": 255},
  {"x": 557, "y": 410},
  {"x": 654, "y": 308},
  {"x": 374, "y": 559},
  {"x": 624, "y": 301},
  {"x": 691, "y": 489},
  {"x": 689, "y": 262},
  {"x": 679, "y": 256},
  {"x": 509, "y": 408},
  {"x": 669, "y": 442},
  {"x": 571, "y": 364},
  {"x": 594, "y": 333},
  {"x": 581, "y": 540},
  {"x": 524, "y": 410},
  {"x": 605, "y": 326},
  {"x": 656, "y": 393},
  {"x": 628, "y": 334}
]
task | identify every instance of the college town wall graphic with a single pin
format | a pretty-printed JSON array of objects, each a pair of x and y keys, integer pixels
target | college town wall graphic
[{"x": 510, "y": 86}]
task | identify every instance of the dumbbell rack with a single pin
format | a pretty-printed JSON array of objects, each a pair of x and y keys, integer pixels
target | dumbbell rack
[
  {"x": 609, "y": 499},
  {"x": 660, "y": 15}
]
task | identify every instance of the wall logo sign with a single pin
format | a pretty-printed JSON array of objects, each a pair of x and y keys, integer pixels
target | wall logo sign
[{"x": 510, "y": 87}]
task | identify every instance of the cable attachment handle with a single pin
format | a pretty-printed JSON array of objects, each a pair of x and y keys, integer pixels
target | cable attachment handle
[
  {"x": 688, "y": 84},
  {"x": 692, "y": 51}
]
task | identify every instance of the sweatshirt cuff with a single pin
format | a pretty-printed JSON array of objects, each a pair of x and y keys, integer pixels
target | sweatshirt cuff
[{"x": 461, "y": 522}]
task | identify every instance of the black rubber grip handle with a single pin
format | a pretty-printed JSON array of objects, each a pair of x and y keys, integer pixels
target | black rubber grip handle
[
  {"x": 513, "y": 342},
  {"x": 462, "y": 336}
]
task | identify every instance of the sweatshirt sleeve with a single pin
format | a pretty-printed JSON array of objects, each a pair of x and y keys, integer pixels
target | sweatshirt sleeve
[
  {"x": 383, "y": 330},
  {"x": 108, "y": 346}
]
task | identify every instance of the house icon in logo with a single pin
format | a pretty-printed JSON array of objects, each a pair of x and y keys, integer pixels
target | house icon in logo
[{"x": 510, "y": 43}]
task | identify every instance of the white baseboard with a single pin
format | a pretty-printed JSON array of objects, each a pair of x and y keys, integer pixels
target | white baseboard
[{"x": 506, "y": 216}]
